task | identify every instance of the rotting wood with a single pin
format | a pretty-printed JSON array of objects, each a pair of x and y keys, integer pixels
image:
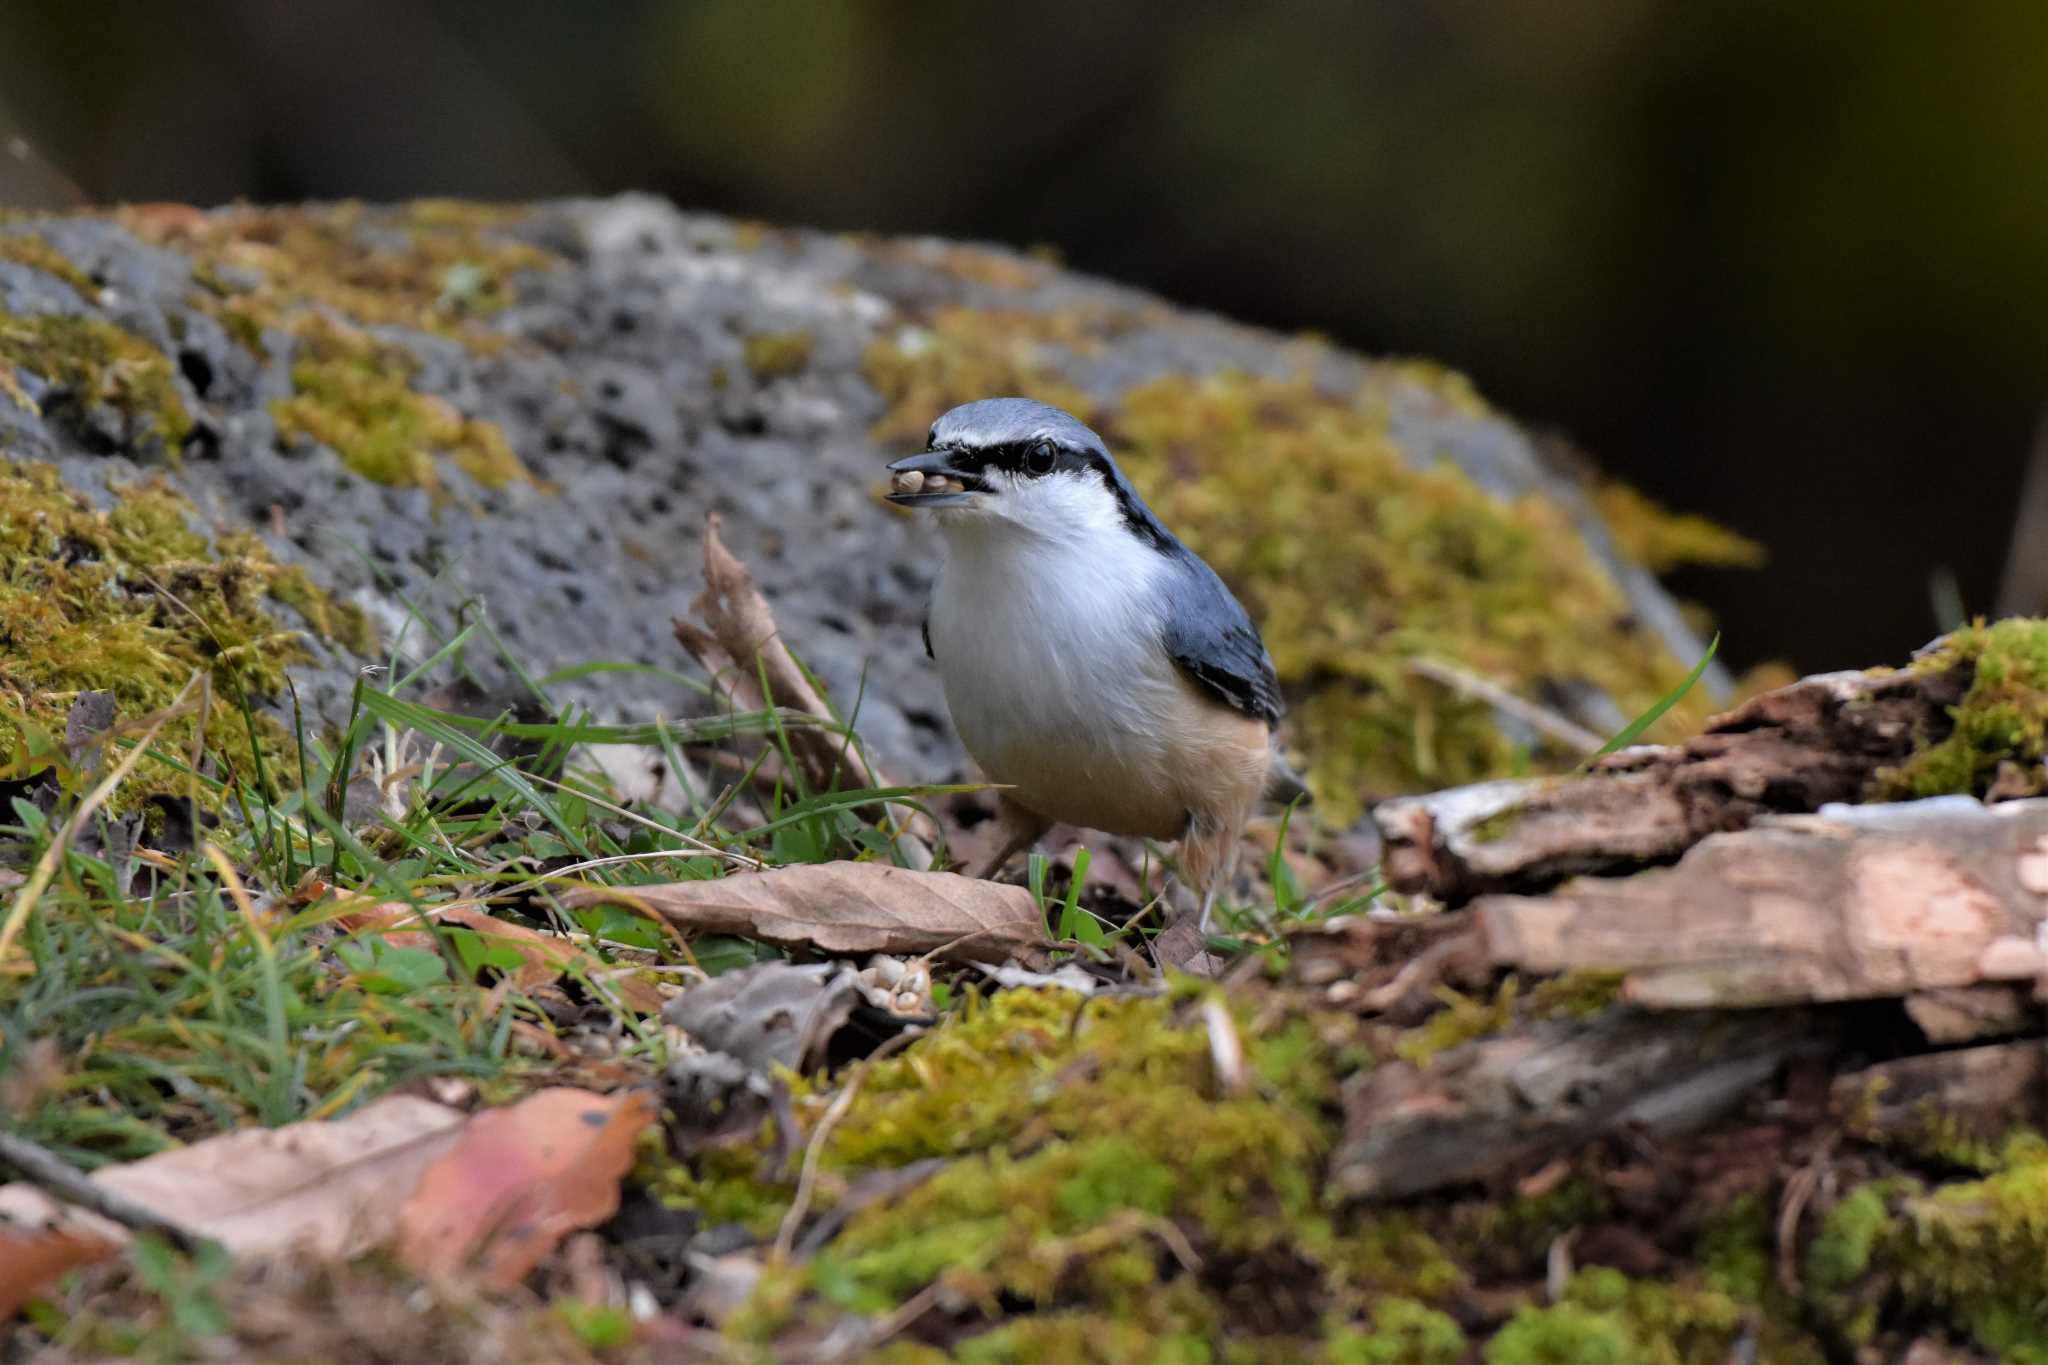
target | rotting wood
[
  {"x": 1819, "y": 740},
  {"x": 1856, "y": 902},
  {"x": 1967, "y": 1014},
  {"x": 1511, "y": 1102},
  {"x": 1972, "y": 1092}
]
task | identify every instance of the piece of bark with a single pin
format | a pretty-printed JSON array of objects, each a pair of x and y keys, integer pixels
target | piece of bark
[
  {"x": 1857, "y": 902},
  {"x": 741, "y": 647},
  {"x": 1972, "y": 1092},
  {"x": 1500, "y": 1104},
  {"x": 1822, "y": 739},
  {"x": 1967, "y": 1014}
]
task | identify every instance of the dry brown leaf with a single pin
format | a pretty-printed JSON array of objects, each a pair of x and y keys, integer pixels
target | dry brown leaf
[
  {"x": 742, "y": 649},
  {"x": 330, "y": 1188},
  {"x": 32, "y": 1257},
  {"x": 520, "y": 1179},
  {"x": 847, "y": 908},
  {"x": 544, "y": 958}
]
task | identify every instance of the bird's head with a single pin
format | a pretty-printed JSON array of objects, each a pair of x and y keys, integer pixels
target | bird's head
[{"x": 1018, "y": 464}]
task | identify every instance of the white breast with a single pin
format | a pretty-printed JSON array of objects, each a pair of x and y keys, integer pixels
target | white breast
[{"x": 1050, "y": 650}]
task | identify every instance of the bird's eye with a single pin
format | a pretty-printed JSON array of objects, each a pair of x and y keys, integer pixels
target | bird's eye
[{"x": 1040, "y": 458}]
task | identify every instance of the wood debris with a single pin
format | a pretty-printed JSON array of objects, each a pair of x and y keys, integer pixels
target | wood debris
[
  {"x": 1819, "y": 740},
  {"x": 1857, "y": 902}
]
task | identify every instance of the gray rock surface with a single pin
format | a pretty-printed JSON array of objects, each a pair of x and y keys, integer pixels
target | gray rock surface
[{"x": 626, "y": 390}]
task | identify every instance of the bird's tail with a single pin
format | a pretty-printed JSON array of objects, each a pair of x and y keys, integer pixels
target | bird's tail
[{"x": 1284, "y": 786}]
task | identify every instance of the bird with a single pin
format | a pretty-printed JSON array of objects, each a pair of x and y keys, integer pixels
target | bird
[{"x": 1095, "y": 667}]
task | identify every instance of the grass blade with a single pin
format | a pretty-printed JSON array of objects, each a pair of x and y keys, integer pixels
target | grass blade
[{"x": 1628, "y": 733}]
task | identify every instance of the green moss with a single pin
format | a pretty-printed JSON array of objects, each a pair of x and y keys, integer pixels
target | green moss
[
  {"x": 38, "y": 253},
  {"x": 1974, "y": 1251},
  {"x": 97, "y": 363},
  {"x": 354, "y": 394},
  {"x": 321, "y": 276},
  {"x": 1092, "y": 1160},
  {"x": 778, "y": 355},
  {"x": 2002, "y": 721},
  {"x": 342, "y": 623},
  {"x": 131, "y": 600},
  {"x": 1565, "y": 1334},
  {"x": 1575, "y": 995},
  {"x": 1084, "y": 1338},
  {"x": 440, "y": 266},
  {"x": 1839, "y": 1257},
  {"x": 1352, "y": 559},
  {"x": 966, "y": 353},
  {"x": 1462, "y": 1020},
  {"x": 1662, "y": 540},
  {"x": 1403, "y": 1332},
  {"x": 1497, "y": 826}
]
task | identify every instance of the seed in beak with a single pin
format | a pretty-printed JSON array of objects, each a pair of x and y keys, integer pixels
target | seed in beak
[
  {"x": 937, "y": 483},
  {"x": 909, "y": 481}
]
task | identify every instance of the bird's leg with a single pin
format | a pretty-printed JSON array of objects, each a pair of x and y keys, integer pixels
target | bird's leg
[
  {"x": 1208, "y": 855},
  {"x": 1021, "y": 829}
]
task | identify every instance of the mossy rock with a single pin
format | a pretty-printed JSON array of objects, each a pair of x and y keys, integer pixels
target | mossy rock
[{"x": 427, "y": 407}]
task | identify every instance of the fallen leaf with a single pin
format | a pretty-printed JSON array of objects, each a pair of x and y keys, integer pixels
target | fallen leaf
[
  {"x": 543, "y": 958},
  {"x": 741, "y": 647},
  {"x": 330, "y": 1188},
  {"x": 846, "y": 908},
  {"x": 519, "y": 1180},
  {"x": 34, "y": 1256}
]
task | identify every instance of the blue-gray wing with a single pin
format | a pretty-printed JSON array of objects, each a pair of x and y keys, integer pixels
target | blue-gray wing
[{"x": 1216, "y": 644}]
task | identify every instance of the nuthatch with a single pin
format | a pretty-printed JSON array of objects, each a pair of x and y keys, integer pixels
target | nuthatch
[{"x": 1091, "y": 661}]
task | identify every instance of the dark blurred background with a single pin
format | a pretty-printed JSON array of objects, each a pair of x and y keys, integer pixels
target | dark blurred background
[{"x": 1784, "y": 264}]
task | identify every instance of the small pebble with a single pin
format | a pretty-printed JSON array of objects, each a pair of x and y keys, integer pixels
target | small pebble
[{"x": 909, "y": 481}]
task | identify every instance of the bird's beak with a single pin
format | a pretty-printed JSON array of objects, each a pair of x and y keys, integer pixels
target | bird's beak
[{"x": 956, "y": 487}]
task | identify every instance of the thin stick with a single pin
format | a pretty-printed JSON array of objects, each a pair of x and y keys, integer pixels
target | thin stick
[
  {"x": 56, "y": 1176},
  {"x": 814, "y": 1151},
  {"x": 46, "y": 866},
  {"x": 1566, "y": 732}
]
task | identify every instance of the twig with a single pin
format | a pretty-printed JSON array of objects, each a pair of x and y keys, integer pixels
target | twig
[
  {"x": 905, "y": 1313},
  {"x": 56, "y": 1176},
  {"x": 1567, "y": 732},
  {"x": 814, "y": 1151}
]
